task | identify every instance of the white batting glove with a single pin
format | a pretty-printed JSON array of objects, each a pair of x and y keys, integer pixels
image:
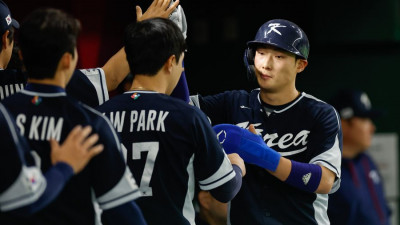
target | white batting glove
[{"x": 179, "y": 18}]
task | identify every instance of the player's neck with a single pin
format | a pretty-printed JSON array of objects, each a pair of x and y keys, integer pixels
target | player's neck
[
  {"x": 58, "y": 80},
  {"x": 148, "y": 83},
  {"x": 280, "y": 97}
]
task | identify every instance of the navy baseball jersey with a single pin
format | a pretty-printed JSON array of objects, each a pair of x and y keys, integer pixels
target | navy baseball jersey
[
  {"x": 361, "y": 198},
  {"x": 305, "y": 130},
  {"x": 42, "y": 112},
  {"x": 170, "y": 144},
  {"x": 88, "y": 85},
  {"x": 21, "y": 182}
]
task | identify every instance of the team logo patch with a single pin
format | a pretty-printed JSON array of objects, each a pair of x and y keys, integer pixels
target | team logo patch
[
  {"x": 36, "y": 100},
  {"x": 221, "y": 136},
  {"x": 306, "y": 178},
  {"x": 135, "y": 96},
  {"x": 8, "y": 20}
]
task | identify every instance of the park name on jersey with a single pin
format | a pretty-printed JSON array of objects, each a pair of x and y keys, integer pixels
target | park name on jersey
[
  {"x": 41, "y": 128},
  {"x": 143, "y": 120}
]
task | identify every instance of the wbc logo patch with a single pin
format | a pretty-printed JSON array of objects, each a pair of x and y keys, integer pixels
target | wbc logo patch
[{"x": 8, "y": 19}]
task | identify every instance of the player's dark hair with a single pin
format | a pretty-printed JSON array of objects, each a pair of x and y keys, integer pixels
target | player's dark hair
[
  {"x": 44, "y": 36},
  {"x": 10, "y": 36},
  {"x": 149, "y": 44}
]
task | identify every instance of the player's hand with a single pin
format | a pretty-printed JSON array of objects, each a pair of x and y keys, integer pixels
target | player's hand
[
  {"x": 158, "y": 8},
  {"x": 252, "y": 129},
  {"x": 77, "y": 149},
  {"x": 235, "y": 159}
]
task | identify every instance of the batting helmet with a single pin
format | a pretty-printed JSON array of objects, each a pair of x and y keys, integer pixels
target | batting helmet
[{"x": 280, "y": 33}]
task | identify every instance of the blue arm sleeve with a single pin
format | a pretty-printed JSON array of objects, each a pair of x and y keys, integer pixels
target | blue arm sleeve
[
  {"x": 228, "y": 191},
  {"x": 251, "y": 147},
  {"x": 125, "y": 214},
  {"x": 56, "y": 178}
]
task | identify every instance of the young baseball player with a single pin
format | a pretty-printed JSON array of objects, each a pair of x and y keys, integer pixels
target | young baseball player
[
  {"x": 170, "y": 144},
  {"x": 90, "y": 86},
  {"x": 24, "y": 189},
  {"x": 288, "y": 179},
  {"x": 44, "y": 111}
]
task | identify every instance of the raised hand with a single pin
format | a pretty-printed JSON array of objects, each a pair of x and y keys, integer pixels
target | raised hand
[
  {"x": 78, "y": 148},
  {"x": 158, "y": 8}
]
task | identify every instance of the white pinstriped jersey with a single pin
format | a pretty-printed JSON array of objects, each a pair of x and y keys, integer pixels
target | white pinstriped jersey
[
  {"x": 305, "y": 130},
  {"x": 86, "y": 85},
  {"x": 169, "y": 144},
  {"x": 44, "y": 111}
]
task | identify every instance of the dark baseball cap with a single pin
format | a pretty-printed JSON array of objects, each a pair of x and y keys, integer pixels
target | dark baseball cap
[
  {"x": 354, "y": 103},
  {"x": 5, "y": 18}
]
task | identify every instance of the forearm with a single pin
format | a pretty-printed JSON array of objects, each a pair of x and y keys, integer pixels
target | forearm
[
  {"x": 284, "y": 170},
  {"x": 116, "y": 69}
]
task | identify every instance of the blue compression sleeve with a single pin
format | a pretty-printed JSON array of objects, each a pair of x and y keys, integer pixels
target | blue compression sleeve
[
  {"x": 249, "y": 146},
  {"x": 305, "y": 176},
  {"x": 125, "y": 214},
  {"x": 56, "y": 178},
  {"x": 181, "y": 90},
  {"x": 228, "y": 191}
]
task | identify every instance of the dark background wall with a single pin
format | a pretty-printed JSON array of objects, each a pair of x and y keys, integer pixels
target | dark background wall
[{"x": 354, "y": 43}]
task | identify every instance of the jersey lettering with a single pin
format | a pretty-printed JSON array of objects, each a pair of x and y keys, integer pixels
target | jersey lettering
[
  {"x": 145, "y": 120},
  {"x": 152, "y": 149},
  {"x": 41, "y": 127}
]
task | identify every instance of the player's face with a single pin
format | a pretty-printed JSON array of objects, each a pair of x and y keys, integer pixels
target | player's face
[
  {"x": 276, "y": 69},
  {"x": 358, "y": 133},
  {"x": 8, "y": 50}
]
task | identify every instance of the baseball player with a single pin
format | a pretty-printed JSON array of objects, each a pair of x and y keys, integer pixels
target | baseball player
[
  {"x": 94, "y": 83},
  {"x": 24, "y": 189},
  {"x": 44, "y": 111},
  {"x": 169, "y": 144},
  {"x": 361, "y": 198},
  {"x": 288, "y": 179}
]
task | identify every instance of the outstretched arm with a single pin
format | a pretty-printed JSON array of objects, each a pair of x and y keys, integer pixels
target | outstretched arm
[{"x": 253, "y": 150}]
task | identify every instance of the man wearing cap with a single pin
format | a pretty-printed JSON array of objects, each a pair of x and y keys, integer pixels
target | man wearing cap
[
  {"x": 360, "y": 199},
  {"x": 10, "y": 80}
]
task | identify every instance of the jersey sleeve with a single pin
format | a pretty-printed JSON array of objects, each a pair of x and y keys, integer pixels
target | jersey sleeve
[
  {"x": 212, "y": 166},
  {"x": 21, "y": 185},
  {"x": 89, "y": 86},
  {"x": 113, "y": 183},
  {"x": 328, "y": 143}
]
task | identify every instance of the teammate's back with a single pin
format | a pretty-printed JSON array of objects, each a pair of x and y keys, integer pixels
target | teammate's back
[{"x": 170, "y": 145}]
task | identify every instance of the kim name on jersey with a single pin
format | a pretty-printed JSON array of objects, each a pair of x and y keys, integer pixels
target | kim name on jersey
[{"x": 40, "y": 128}]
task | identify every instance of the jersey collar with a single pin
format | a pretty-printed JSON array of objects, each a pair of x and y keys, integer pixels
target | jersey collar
[{"x": 44, "y": 88}]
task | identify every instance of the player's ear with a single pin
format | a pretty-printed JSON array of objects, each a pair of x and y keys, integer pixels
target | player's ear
[
  {"x": 4, "y": 39},
  {"x": 170, "y": 63},
  {"x": 66, "y": 60},
  {"x": 301, "y": 65}
]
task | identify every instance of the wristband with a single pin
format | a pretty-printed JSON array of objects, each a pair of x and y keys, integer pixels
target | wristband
[
  {"x": 305, "y": 176},
  {"x": 250, "y": 147}
]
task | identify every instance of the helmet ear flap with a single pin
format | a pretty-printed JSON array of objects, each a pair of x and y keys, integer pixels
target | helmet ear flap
[{"x": 248, "y": 59}]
